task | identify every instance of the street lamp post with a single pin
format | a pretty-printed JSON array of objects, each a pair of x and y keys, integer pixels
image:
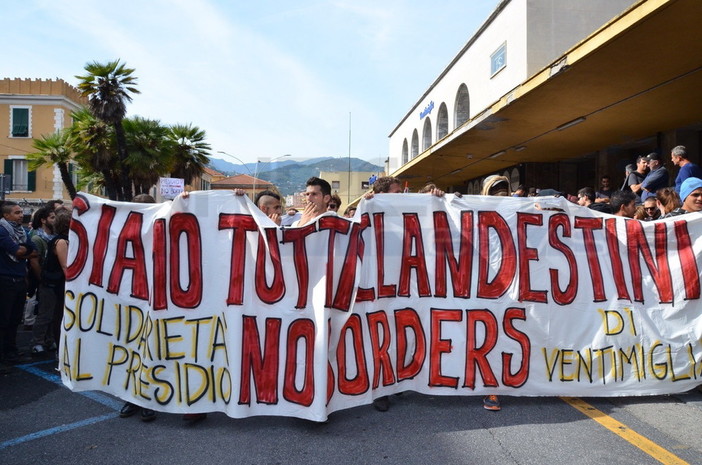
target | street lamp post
[
  {"x": 269, "y": 161},
  {"x": 237, "y": 159}
]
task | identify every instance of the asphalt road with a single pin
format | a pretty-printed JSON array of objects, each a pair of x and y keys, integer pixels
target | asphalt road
[{"x": 42, "y": 422}]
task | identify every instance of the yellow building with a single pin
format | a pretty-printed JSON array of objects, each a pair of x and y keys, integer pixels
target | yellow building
[
  {"x": 30, "y": 108},
  {"x": 341, "y": 180},
  {"x": 204, "y": 181}
]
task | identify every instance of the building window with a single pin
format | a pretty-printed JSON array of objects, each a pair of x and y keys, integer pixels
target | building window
[
  {"x": 442, "y": 122},
  {"x": 20, "y": 118},
  {"x": 415, "y": 145},
  {"x": 498, "y": 59},
  {"x": 336, "y": 185},
  {"x": 461, "y": 112},
  {"x": 23, "y": 180},
  {"x": 426, "y": 135}
]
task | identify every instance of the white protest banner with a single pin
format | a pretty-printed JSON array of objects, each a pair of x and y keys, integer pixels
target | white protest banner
[
  {"x": 203, "y": 304},
  {"x": 171, "y": 187}
]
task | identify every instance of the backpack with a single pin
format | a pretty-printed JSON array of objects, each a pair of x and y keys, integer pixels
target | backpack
[{"x": 52, "y": 273}]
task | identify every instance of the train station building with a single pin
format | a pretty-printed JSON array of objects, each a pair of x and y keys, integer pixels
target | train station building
[{"x": 556, "y": 94}]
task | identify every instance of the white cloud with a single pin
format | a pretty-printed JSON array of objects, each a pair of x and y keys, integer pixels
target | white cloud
[{"x": 262, "y": 78}]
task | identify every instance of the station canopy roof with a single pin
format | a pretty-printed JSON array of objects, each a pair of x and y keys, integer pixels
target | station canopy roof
[{"x": 639, "y": 74}]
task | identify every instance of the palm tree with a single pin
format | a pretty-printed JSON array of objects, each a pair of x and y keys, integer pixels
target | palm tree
[
  {"x": 90, "y": 182},
  {"x": 150, "y": 152},
  {"x": 93, "y": 143},
  {"x": 54, "y": 149},
  {"x": 190, "y": 152},
  {"x": 108, "y": 88}
]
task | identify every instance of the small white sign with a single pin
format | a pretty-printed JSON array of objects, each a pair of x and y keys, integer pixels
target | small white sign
[{"x": 171, "y": 187}]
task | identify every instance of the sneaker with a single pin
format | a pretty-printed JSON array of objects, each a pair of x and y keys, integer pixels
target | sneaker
[
  {"x": 127, "y": 410},
  {"x": 147, "y": 415},
  {"x": 38, "y": 351},
  {"x": 381, "y": 404},
  {"x": 491, "y": 402}
]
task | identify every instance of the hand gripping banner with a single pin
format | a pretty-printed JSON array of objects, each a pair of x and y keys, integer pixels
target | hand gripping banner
[{"x": 203, "y": 304}]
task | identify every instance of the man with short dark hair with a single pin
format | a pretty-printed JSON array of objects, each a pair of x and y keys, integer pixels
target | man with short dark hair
[
  {"x": 318, "y": 194},
  {"x": 15, "y": 249},
  {"x": 605, "y": 192},
  {"x": 54, "y": 204},
  {"x": 586, "y": 198},
  {"x": 656, "y": 179},
  {"x": 687, "y": 169},
  {"x": 635, "y": 178},
  {"x": 623, "y": 203},
  {"x": 42, "y": 233}
]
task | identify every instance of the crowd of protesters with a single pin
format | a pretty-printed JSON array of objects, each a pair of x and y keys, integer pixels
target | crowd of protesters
[
  {"x": 647, "y": 192},
  {"x": 33, "y": 252},
  {"x": 33, "y": 255}
]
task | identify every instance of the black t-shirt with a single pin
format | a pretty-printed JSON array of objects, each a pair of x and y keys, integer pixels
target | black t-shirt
[
  {"x": 634, "y": 178},
  {"x": 52, "y": 273},
  {"x": 600, "y": 207}
]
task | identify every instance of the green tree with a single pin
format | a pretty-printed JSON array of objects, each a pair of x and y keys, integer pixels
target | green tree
[
  {"x": 108, "y": 88},
  {"x": 93, "y": 143},
  {"x": 189, "y": 153},
  {"x": 150, "y": 152},
  {"x": 54, "y": 149}
]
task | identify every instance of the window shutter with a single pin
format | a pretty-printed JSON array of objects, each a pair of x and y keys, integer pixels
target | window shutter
[
  {"x": 20, "y": 122},
  {"x": 32, "y": 181},
  {"x": 8, "y": 166}
]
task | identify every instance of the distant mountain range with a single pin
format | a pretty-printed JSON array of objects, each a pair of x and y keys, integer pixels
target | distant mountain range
[{"x": 289, "y": 175}]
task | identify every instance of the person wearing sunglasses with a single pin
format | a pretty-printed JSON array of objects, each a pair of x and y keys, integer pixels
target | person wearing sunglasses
[
  {"x": 334, "y": 204},
  {"x": 651, "y": 211}
]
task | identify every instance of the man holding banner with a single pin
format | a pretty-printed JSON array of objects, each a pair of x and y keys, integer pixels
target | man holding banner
[
  {"x": 205, "y": 306},
  {"x": 392, "y": 185}
]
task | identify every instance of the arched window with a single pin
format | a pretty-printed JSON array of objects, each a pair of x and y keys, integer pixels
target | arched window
[
  {"x": 461, "y": 112},
  {"x": 405, "y": 152},
  {"x": 415, "y": 145},
  {"x": 514, "y": 179},
  {"x": 426, "y": 134},
  {"x": 442, "y": 122}
]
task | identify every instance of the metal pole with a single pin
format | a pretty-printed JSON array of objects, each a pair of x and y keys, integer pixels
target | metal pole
[
  {"x": 255, "y": 176},
  {"x": 237, "y": 159},
  {"x": 348, "y": 187}
]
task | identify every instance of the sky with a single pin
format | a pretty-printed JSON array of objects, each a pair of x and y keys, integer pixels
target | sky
[{"x": 262, "y": 78}]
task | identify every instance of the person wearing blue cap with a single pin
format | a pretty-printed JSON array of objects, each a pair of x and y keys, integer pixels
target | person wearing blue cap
[{"x": 691, "y": 195}]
